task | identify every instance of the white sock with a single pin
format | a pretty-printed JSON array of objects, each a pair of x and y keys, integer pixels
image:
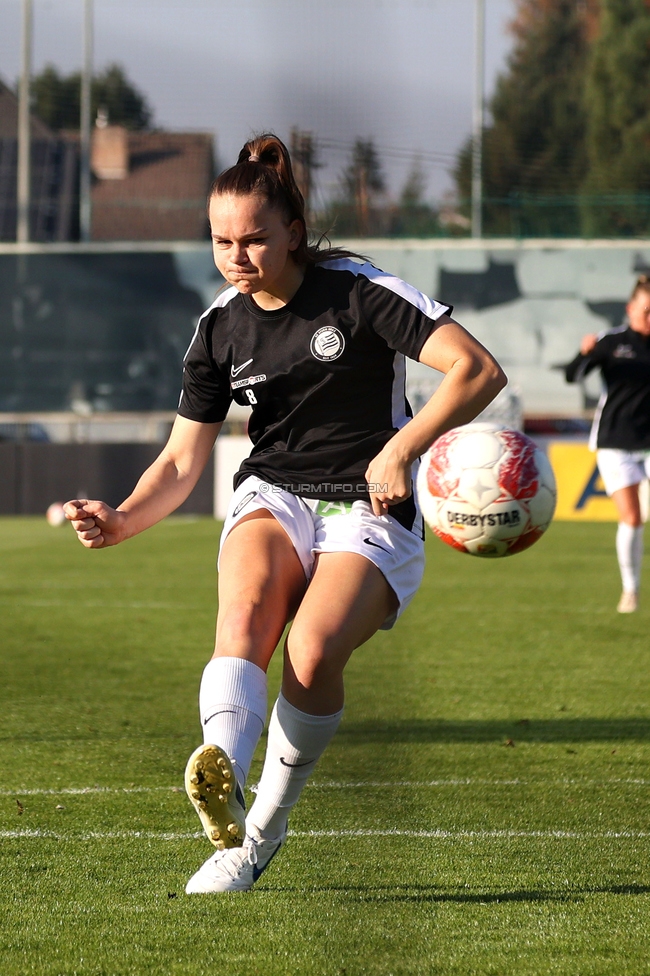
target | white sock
[
  {"x": 629, "y": 549},
  {"x": 232, "y": 705},
  {"x": 296, "y": 743}
]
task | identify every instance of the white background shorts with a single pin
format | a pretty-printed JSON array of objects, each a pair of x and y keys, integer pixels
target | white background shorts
[
  {"x": 325, "y": 526},
  {"x": 619, "y": 469}
]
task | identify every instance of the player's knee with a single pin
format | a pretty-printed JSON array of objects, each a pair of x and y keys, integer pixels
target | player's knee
[{"x": 313, "y": 660}]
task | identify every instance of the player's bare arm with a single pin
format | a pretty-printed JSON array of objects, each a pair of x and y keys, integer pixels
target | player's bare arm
[
  {"x": 472, "y": 380},
  {"x": 162, "y": 488}
]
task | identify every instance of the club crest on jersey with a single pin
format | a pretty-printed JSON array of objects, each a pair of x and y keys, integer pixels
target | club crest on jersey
[
  {"x": 624, "y": 351},
  {"x": 327, "y": 344}
]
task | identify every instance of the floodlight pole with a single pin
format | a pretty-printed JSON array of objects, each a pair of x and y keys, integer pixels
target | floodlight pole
[
  {"x": 85, "y": 212},
  {"x": 477, "y": 128},
  {"x": 24, "y": 135}
]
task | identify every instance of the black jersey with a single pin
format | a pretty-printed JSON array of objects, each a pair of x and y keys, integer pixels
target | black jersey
[
  {"x": 622, "y": 418},
  {"x": 325, "y": 374}
]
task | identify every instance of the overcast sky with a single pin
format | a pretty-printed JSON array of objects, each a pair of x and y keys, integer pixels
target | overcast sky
[{"x": 398, "y": 71}]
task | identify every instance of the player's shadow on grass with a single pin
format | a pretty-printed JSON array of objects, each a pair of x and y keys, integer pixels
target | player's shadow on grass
[
  {"x": 436, "y": 893},
  {"x": 418, "y": 893},
  {"x": 562, "y": 730},
  {"x": 424, "y": 894}
]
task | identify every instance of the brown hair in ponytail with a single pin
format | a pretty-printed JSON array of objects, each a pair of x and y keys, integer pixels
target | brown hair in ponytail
[{"x": 264, "y": 167}]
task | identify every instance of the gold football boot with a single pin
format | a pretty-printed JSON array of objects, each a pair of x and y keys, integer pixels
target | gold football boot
[{"x": 214, "y": 792}]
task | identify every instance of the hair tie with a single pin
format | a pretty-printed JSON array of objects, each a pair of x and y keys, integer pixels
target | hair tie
[{"x": 253, "y": 158}]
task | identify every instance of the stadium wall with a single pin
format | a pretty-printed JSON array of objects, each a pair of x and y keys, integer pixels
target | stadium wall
[
  {"x": 98, "y": 331},
  {"x": 106, "y": 325},
  {"x": 36, "y": 474}
]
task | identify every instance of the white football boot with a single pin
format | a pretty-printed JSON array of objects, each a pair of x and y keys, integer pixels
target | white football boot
[
  {"x": 236, "y": 869},
  {"x": 215, "y": 794}
]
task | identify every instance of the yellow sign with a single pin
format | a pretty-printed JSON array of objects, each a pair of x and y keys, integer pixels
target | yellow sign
[{"x": 580, "y": 490}]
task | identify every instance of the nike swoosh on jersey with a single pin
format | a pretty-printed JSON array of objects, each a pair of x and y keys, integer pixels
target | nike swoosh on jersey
[
  {"x": 236, "y": 372},
  {"x": 369, "y": 542}
]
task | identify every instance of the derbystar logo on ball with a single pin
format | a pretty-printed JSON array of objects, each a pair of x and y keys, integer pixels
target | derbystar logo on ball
[{"x": 486, "y": 490}]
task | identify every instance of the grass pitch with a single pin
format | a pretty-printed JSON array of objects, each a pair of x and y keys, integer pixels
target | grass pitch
[{"x": 483, "y": 809}]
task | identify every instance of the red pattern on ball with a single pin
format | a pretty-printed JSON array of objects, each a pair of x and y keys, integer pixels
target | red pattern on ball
[
  {"x": 518, "y": 475},
  {"x": 449, "y": 539},
  {"x": 525, "y": 541},
  {"x": 439, "y": 482}
]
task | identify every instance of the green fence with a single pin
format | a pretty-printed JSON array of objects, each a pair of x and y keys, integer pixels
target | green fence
[{"x": 611, "y": 215}]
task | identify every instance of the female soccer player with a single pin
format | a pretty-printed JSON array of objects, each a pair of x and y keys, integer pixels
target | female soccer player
[
  {"x": 620, "y": 434},
  {"x": 323, "y": 528}
]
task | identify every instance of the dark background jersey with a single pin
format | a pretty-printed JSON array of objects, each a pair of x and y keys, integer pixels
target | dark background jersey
[
  {"x": 325, "y": 374},
  {"x": 622, "y": 418}
]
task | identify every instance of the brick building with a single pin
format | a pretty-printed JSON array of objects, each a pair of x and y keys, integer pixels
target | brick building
[
  {"x": 150, "y": 185},
  {"x": 145, "y": 185}
]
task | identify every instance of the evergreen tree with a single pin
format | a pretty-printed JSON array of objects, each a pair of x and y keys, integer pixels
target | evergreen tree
[
  {"x": 412, "y": 194},
  {"x": 617, "y": 100},
  {"x": 362, "y": 183},
  {"x": 536, "y": 142},
  {"x": 56, "y": 99},
  {"x": 413, "y": 216}
]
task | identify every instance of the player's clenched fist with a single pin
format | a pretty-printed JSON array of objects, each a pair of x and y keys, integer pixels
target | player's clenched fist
[
  {"x": 588, "y": 343},
  {"x": 96, "y": 524}
]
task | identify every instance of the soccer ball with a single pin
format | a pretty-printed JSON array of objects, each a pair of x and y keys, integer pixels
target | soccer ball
[{"x": 486, "y": 489}]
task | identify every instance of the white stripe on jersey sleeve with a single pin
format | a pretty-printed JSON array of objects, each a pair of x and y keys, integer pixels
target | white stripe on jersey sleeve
[
  {"x": 428, "y": 306},
  {"x": 220, "y": 301},
  {"x": 398, "y": 393},
  {"x": 613, "y": 331}
]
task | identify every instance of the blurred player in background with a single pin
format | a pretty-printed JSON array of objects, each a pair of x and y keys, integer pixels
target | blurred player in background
[
  {"x": 620, "y": 434},
  {"x": 323, "y": 528}
]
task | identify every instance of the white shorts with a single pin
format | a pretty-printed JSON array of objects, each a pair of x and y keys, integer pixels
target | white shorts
[
  {"x": 620, "y": 469},
  {"x": 323, "y": 526}
]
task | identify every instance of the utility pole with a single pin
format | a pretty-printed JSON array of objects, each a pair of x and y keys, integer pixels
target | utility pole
[
  {"x": 24, "y": 135},
  {"x": 303, "y": 160},
  {"x": 363, "y": 202},
  {"x": 477, "y": 128},
  {"x": 85, "y": 124}
]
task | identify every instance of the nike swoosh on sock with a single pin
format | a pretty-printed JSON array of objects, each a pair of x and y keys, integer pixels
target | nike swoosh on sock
[
  {"x": 295, "y": 765},
  {"x": 222, "y": 711}
]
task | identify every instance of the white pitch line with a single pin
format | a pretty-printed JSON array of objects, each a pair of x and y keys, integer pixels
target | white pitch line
[
  {"x": 101, "y": 835},
  {"x": 414, "y": 784},
  {"x": 378, "y": 784},
  {"x": 335, "y": 785},
  {"x": 476, "y": 782},
  {"x": 82, "y": 790},
  {"x": 316, "y": 834},
  {"x": 478, "y": 834}
]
